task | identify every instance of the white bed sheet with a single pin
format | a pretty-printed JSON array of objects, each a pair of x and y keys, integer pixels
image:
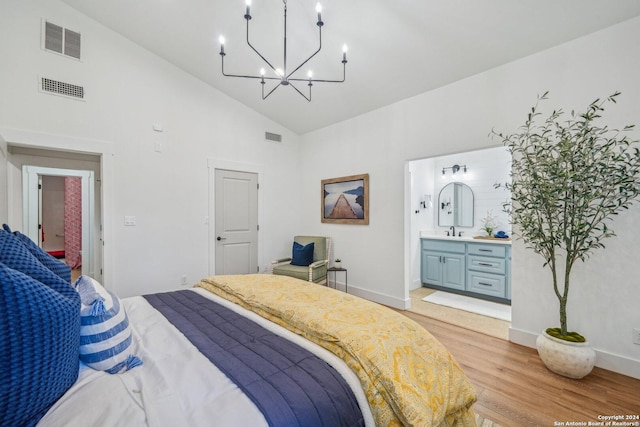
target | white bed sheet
[{"x": 176, "y": 386}]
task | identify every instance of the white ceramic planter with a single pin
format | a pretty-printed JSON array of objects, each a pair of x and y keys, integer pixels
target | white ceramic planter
[{"x": 569, "y": 359}]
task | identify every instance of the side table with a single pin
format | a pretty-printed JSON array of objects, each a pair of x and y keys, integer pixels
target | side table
[{"x": 335, "y": 271}]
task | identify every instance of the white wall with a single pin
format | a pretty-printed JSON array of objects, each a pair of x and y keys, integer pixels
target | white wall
[
  {"x": 4, "y": 168},
  {"x": 484, "y": 169},
  {"x": 128, "y": 91},
  {"x": 422, "y": 184},
  {"x": 458, "y": 118}
]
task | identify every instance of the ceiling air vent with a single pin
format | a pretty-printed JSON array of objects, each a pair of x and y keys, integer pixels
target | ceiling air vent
[
  {"x": 272, "y": 137},
  {"x": 61, "y": 40},
  {"x": 61, "y": 88}
]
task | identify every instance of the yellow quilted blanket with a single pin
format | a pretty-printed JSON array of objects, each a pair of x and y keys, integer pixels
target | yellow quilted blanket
[{"x": 408, "y": 376}]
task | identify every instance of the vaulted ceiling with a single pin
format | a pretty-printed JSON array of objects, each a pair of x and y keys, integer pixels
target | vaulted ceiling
[{"x": 397, "y": 49}]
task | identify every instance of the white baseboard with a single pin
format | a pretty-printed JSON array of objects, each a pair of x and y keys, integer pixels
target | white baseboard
[
  {"x": 383, "y": 299},
  {"x": 611, "y": 362}
]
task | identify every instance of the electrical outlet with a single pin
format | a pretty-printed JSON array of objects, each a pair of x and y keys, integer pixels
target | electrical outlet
[
  {"x": 636, "y": 336},
  {"x": 183, "y": 280}
]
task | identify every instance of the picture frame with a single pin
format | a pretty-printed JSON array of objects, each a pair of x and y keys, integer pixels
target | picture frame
[{"x": 345, "y": 200}]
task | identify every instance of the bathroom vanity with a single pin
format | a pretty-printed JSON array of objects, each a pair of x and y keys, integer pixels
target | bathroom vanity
[{"x": 476, "y": 267}]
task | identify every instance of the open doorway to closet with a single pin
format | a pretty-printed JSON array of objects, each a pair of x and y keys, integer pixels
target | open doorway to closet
[
  {"x": 58, "y": 213},
  {"x": 61, "y": 220}
]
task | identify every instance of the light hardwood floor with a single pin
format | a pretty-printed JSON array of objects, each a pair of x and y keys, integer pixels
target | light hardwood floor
[{"x": 515, "y": 389}]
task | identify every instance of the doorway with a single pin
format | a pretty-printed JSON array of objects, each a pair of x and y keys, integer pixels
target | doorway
[
  {"x": 424, "y": 181},
  {"x": 81, "y": 251}
]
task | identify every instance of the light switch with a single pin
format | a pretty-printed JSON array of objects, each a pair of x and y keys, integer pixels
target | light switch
[{"x": 129, "y": 220}]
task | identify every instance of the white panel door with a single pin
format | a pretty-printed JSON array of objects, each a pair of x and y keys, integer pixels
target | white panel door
[{"x": 236, "y": 222}]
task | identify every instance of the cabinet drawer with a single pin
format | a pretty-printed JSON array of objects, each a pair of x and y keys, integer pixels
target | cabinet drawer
[
  {"x": 486, "y": 264},
  {"x": 487, "y": 249},
  {"x": 443, "y": 246},
  {"x": 487, "y": 284}
]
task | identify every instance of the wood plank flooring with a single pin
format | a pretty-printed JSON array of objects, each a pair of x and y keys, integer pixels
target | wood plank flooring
[{"x": 515, "y": 389}]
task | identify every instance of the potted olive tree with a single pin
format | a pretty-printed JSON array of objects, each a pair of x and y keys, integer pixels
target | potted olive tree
[{"x": 569, "y": 178}]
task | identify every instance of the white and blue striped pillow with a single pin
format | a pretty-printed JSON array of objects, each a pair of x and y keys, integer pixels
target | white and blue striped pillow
[{"x": 105, "y": 334}]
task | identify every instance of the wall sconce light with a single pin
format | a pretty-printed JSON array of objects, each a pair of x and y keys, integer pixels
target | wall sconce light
[
  {"x": 425, "y": 203},
  {"x": 454, "y": 170}
]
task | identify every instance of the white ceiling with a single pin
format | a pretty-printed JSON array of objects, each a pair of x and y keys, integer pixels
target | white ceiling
[{"x": 397, "y": 49}]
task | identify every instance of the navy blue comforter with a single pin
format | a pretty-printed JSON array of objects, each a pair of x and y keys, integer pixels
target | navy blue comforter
[{"x": 290, "y": 385}]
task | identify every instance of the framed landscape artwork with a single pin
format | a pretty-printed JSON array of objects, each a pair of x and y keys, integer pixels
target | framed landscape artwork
[{"x": 345, "y": 200}]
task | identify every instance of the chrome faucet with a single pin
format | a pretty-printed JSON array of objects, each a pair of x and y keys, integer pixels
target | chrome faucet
[{"x": 454, "y": 230}]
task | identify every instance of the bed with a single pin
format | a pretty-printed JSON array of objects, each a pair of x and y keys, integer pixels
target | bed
[{"x": 361, "y": 363}]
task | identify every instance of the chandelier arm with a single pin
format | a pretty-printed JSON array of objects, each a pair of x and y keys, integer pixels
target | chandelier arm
[
  {"x": 250, "y": 77},
  {"x": 344, "y": 76},
  {"x": 314, "y": 53},
  {"x": 285, "y": 39},
  {"x": 302, "y": 94},
  {"x": 256, "y": 50},
  {"x": 270, "y": 92},
  {"x": 222, "y": 55}
]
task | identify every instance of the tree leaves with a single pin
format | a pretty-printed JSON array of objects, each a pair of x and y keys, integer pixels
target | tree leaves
[{"x": 568, "y": 179}]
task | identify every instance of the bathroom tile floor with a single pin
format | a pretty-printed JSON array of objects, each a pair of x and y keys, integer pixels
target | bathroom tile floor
[{"x": 472, "y": 321}]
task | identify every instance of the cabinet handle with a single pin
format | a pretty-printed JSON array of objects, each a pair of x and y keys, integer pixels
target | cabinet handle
[
  {"x": 485, "y": 250},
  {"x": 486, "y": 264},
  {"x": 484, "y": 284}
]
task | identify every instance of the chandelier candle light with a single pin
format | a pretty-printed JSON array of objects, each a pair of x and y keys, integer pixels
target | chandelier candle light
[{"x": 284, "y": 77}]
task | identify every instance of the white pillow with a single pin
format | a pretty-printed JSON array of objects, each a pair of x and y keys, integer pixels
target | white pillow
[{"x": 105, "y": 334}]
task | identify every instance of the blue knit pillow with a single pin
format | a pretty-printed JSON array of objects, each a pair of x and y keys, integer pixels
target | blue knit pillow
[
  {"x": 40, "y": 333},
  {"x": 105, "y": 334},
  {"x": 56, "y": 266},
  {"x": 14, "y": 254},
  {"x": 302, "y": 255}
]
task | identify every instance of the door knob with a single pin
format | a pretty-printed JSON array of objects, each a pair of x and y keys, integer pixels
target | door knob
[{"x": 220, "y": 238}]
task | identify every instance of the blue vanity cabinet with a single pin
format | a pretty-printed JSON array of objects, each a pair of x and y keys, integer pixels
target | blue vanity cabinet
[
  {"x": 487, "y": 271},
  {"x": 443, "y": 264},
  {"x": 470, "y": 267}
]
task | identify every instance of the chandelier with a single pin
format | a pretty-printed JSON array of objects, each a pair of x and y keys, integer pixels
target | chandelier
[{"x": 283, "y": 76}]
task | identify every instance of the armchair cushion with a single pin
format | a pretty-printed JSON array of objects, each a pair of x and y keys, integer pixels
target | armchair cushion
[
  {"x": 302, "y": 254},
  {"x": 302, "y": 273}
]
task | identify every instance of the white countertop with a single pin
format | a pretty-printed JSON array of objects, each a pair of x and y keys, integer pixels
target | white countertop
[{"x": 424, "y": 235}]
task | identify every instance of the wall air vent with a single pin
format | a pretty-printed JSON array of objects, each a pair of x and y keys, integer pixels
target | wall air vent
[
  {"x": 60, "y": 40},
  {"x": 56, "y": 87},
  {"x": 272, "y": 137}
]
